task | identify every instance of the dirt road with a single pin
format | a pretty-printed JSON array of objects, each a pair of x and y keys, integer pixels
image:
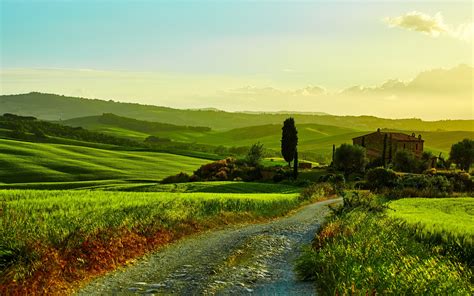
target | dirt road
[{"x": 244, "y": 259}]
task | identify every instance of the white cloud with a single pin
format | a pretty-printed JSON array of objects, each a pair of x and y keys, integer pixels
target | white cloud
[{"x": 431, "y": 25}]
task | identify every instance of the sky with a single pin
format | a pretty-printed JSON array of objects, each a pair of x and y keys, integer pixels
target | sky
[{"x": 237, "y": 55}]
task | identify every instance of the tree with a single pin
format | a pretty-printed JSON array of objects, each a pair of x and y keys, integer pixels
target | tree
[
  {"x": 295, "y": 165},
  {"x": 462, "y": 154},
  {"x": 350, "y": 159},
  {"x": 289, "y": 140},
  {"x": 255, "y": 154},
  {"x": 404, "y": 161}
]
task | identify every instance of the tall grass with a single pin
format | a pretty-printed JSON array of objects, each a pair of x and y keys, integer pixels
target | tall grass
[
  {"x": 364, "y": 251},
  {"x": 444, "y": 221},
  {"x": 61, "y": 236}
]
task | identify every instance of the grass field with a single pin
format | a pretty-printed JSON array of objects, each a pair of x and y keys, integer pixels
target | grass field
[
  {"x": 140, "y": 186},
  {"x": 212, "y": 187},
  {"x": 363, "y": 250},
  {"x": 444, "y": 220},
  {"x": 35, "y": 162},
  {"x": 81, "y": 233}
]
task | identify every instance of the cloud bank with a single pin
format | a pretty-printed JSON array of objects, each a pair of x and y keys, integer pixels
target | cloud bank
[{"x": 431, "y": 25}]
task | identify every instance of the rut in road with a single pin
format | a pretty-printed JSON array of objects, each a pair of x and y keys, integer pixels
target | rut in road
[{"x": 248, "y": 259}]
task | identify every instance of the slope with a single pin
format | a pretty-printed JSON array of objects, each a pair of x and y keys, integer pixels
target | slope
[{"x": 34, "y": 162}]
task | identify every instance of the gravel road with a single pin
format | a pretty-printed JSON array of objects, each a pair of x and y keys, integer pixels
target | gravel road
[{"x": 241, "y": 259}]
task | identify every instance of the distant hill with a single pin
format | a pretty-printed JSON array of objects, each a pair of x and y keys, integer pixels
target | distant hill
[
  {"x": 135, "y": 129},
  {"x": 57, "y": 107},
  {"x": 315, "y": 140}
]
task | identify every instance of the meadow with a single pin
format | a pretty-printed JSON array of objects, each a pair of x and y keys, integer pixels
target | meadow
[
  {"x": 447, "y": 221},
  {"x": 44, "y": 162},
  {"x": 369, "y": 249},
  {"x": 52, "y": 238}
]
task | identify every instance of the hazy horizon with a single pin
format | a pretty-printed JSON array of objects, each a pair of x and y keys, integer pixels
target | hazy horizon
[{"x": 391, "y": 59}]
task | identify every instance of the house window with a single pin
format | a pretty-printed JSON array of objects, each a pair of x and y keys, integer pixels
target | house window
[
  {"x": 404, "y": 146},
  {"x": 416, "y": 146}
]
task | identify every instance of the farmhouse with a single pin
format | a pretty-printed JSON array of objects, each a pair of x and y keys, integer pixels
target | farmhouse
[{"x": 385, "y": 145}]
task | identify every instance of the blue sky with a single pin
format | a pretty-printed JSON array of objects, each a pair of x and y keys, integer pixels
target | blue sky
[{"x": 285, "y": 44}]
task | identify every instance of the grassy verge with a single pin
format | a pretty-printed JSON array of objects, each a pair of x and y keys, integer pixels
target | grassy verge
[
  {"x": 50, "y": 240},
  {"x": 363, "y": 250}
]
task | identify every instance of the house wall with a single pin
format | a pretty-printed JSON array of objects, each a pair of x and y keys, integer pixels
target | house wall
[{"x": 374, "y": 143}]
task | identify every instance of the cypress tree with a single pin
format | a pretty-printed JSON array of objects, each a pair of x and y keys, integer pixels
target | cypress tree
[
  {"x": 289, "y": 140},
  {"x": 295, "y": 165}
]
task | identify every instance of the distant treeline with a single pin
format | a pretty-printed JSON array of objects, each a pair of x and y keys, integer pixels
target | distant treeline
[
  {"x": 21, "y": 126},
  {"x": 32, "y": 129},
  {"x": 146, "y": 126}
]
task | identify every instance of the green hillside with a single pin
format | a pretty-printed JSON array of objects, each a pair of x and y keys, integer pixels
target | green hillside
[
  {"x": 136, "y": 129},
  {"x": 315, "y": 140},
  {"x": 56, "y": 107},
  {"x": 35, "y": 162}
]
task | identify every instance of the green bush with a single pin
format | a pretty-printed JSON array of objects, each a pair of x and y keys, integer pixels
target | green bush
[
  {"x": 379, "y": 178},
  {"x": 333, "y": 179},
  {"x": 350, "y": 159},
  {"x": 317, "y": 190},
  {"x": 421, "y": 186},
  {"x": 179, "y": 178}
]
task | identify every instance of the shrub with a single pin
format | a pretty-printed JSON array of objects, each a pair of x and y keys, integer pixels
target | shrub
[
  {"x": 404, "y": 161},
  {"x": 421, "y": 186},
  {"x": 281, "y": 175},
  {"x": 333, "y": 179},
  {"x": 209, "y": 171},
  {"x": 316, "y": 191},
  {"x": 460, "y": 182},
  {"x": 179, "y": 178},
  {"x": 255, "y": 154},
  {"x": 380, "y": 177},
  {"x": 462, "y": 154},
  {"x": 350, "y": 159}
]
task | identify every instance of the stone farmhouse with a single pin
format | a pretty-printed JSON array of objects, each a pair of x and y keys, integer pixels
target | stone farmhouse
[{"x": 384, "y": 145}]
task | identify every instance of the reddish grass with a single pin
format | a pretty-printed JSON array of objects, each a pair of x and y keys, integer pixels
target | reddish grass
[{"x": 61, "y": 271}]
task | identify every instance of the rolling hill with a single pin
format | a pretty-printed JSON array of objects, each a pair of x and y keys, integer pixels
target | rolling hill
[
  {"x": 56, "y": 107},
  {"x": 314, "y": 139},
  {"x": 44, "y": 162},
  {"x": 109, "y": 123}
]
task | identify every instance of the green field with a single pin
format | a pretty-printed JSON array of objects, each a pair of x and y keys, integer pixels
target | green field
[
  {"x": 363, "y": 250},
  {"x": 79, "y": 232},
  {"x": 211, "y": 187},
  {"x": 34, "y": 162},
  {"x": 450, "y": 220},
  {"x": 53, "y": 215},
  {"x": 140, "y": 186}
]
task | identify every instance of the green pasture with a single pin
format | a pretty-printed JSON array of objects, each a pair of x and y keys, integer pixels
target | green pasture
[{"x": 22, "y": 162}]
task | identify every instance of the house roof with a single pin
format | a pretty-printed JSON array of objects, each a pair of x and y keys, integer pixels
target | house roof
[{"x": 401, "y": 137}]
